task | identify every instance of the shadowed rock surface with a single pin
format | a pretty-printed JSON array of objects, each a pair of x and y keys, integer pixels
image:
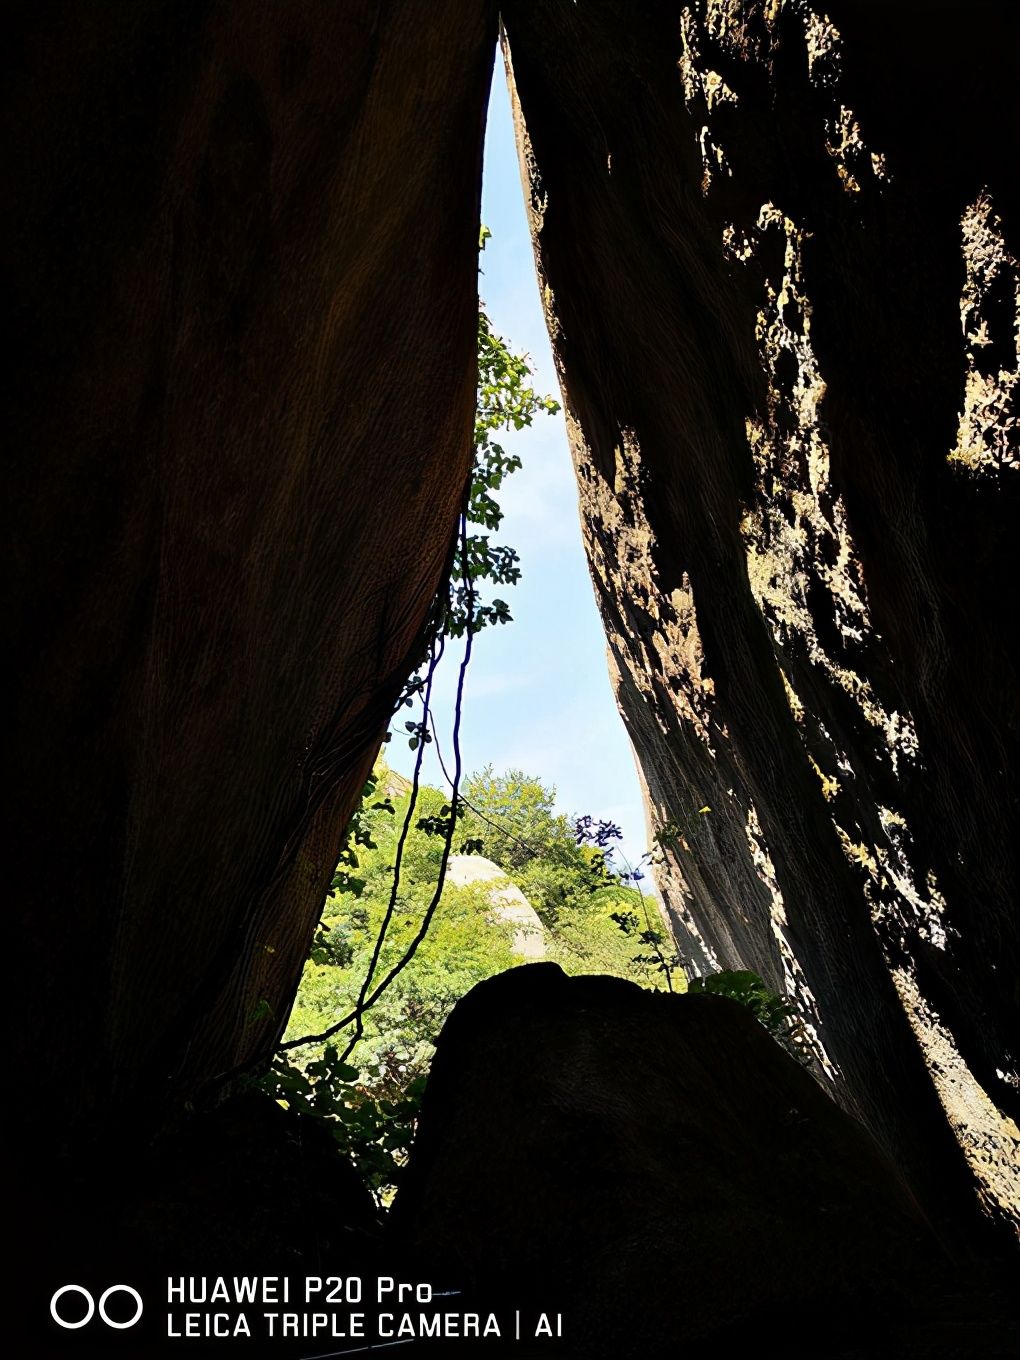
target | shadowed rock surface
[
  {"x": 659, "y": 1167},
  {"x": 242, "y": 1193},
  {"x": 242, "y": 277},
  {"x": 775, "y": 252},
  {"x": 246, "y": 1188}
]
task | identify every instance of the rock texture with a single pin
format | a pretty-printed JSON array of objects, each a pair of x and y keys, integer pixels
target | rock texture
[
  {"x": 778, "y": 257},
  {"x": 658, "y": 1171},
  {"x": 777, "y": 248},
  {"x": 240, "y": 254}
]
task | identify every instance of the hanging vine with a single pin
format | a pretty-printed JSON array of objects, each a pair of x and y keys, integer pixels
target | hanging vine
[{"x": 506, "y": 401}]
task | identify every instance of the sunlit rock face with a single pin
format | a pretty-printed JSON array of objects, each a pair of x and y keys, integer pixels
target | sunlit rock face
[
  {"x": 778, "y": 257},
  {"x": 509, "y": 905},
  {"x": 242, "y": 269}
]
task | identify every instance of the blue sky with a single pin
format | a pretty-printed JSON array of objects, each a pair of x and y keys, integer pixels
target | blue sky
[{"x": 537, "y": 691}]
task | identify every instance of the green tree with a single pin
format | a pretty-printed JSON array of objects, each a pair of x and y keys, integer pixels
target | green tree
[
  {"x": 514, "y": 815},
  {"x": 513, "y": 818},
  {"x": 370, "y": 1101}
]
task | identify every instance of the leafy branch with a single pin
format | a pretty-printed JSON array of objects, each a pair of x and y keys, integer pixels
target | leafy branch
[{"x": 776, "y": 1013}]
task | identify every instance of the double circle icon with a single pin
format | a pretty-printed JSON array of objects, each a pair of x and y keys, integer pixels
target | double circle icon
[{"x": 92, "y": 1306}]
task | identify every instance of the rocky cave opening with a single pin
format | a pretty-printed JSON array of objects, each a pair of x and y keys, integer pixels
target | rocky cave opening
[{"x": 779, "y": 276}]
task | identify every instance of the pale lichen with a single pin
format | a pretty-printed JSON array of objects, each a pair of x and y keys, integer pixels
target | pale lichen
[
  {"x": 894, "y": 893},
  {"x": 988, "y": 437},
  {"x": 844, "y": 142},
  {"x": 797, "y": 536},
  {"x": 738, "y": 244},
  {"x": 822, "y": 41},
  {"x": 672, "y": 643}
]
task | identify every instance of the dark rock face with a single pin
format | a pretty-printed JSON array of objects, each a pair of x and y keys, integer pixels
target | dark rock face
[
  {"x": 658, "y": 1167},
  {"x": 245, "y": 1187},
  {"x": 242, "y": 274},
  {"x": 776, "y": 260}
]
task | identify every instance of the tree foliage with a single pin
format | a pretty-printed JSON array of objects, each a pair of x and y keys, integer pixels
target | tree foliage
[
  {"x": 370, "y": 1101},
  {"x": 505, "y": 401},
  {"x": 512, "y": 819},
  {"x": 776, "y": 1013}
]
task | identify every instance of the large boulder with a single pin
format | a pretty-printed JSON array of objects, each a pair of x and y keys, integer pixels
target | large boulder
[
  {"x": 657, "y": 1169},
  {"x": 508, "y": 904}
]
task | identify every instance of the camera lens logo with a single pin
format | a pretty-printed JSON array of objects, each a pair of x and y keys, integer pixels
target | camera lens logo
[{"x": 72, "y": 1324}]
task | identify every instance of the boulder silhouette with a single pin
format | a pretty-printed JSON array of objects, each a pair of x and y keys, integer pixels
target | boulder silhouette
[{"x": 652, "y": 1167}]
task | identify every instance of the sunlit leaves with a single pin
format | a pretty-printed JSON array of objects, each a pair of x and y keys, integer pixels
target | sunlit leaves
[
  {"x": 505, "y": 401},
  {"x": 776, "y": 1013}
]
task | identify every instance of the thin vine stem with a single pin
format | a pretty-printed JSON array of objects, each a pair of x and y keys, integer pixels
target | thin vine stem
[
  {"x": 535, "y": 854},
  {"x": 635, "y": 877},
  {"x": 366, "y": 999},
  {"x": 435, "y": 656}
]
